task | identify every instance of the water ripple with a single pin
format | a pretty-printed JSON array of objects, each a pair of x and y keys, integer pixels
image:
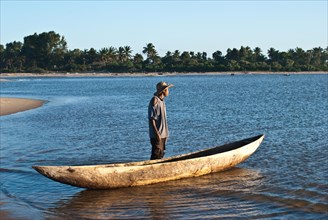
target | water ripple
[{"x": 104, "y": 120}]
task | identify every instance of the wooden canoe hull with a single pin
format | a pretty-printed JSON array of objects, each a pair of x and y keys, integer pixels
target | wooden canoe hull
[{"x": 110, "y": 176}]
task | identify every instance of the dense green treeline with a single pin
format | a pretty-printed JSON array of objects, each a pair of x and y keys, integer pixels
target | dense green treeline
[{"x": 47, "y": 52}]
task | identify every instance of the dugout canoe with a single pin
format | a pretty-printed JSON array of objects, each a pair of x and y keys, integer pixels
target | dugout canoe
[{"x": 110, "y": 176}]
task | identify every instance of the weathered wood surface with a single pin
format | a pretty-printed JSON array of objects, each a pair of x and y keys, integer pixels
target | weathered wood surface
[{"x": 198, "y": 163}]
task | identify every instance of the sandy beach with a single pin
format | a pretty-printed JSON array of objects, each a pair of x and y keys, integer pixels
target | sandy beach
[{"x": 14, "y": 105}]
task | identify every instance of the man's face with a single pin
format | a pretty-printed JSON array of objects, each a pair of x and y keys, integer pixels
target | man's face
[{"x": 166, "y": 92}]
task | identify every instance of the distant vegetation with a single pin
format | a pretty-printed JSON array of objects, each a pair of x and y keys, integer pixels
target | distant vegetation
[{"x": 47, "y": 52}]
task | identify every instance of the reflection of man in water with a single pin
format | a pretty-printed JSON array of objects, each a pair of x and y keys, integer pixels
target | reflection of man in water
[{"x": 158, "y": 128}]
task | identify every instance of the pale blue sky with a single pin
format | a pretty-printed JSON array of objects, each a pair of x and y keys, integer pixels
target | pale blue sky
[{"x": 171, "y": 25}]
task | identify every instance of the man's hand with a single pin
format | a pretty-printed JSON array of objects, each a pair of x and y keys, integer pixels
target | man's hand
[{"x": 157, "y": 134}]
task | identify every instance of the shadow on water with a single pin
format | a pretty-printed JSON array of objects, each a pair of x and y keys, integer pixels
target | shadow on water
[
  {"x": 225, "y": 194},
  {"x": 168, "y": 200}
]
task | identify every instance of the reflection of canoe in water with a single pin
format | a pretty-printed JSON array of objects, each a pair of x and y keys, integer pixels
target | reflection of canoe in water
[
  {"x": 157, "y": 201},
  {"x": 198, "y": 163}
]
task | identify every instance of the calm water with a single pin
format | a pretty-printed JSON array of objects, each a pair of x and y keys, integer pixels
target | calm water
[{"x": 104, "y": 120}]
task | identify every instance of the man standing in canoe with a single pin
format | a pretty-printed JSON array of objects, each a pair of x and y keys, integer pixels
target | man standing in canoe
[{"x": 158, "y": 128}]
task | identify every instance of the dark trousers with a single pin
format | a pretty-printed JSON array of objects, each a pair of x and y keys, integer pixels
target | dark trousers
[{"x": 158, "y": 148}]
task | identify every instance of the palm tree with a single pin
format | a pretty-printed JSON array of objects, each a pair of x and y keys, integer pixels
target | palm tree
[
  {"x": 176, "y": 56},
  {"x": 204, "y": 56},
  {"x": 112, "y": 52},
  {"x": 127, "y": 52},
  {"x": 167, "y": 58},
  {"x": 185, "y": 57},
  {"x": 273, "y": 54},
  {"x": 300, "y": 56},
  {"x": 103, "y": 55},
  {"x": 137, "y": 62},
  {"x": 217, "y": 56},
  {"x": 232, "y": 54},
  {"x": 258, "y": 56},
  {"x": 199, "y": 55},
  {"x": 137, "y": 59},
  {"x": 121, "y": 54},
  {"x": 150, "y": 51}
]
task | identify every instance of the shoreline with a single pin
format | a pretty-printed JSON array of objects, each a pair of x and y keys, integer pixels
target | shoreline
[
  {"x": 90, "y": 74},
  {"x": 14, "y": 105}
]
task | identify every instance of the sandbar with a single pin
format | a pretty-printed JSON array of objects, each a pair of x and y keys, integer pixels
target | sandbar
[{"x": 13, "y": 105}]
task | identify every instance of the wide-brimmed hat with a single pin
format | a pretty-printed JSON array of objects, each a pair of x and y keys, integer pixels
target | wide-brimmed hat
[{"x": 161, "y": 86}]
